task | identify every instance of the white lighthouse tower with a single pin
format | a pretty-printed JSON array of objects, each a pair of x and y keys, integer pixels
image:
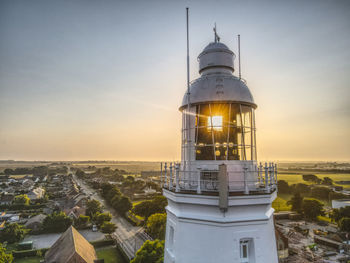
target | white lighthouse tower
[{"x": 219, "y": 198}]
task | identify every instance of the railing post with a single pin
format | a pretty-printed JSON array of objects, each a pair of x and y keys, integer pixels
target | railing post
[
  {"x": 261, "y": 173},
  {"x": 161, "y": 175},
  {"x": 171, "y": 177},
  {"x": 165, "y": 176},
  {"x": 267, "y": 188},
  {"x": 246, "y": 187},
  {"x": 177, "y": 187},
  {"x": 199, "y": 182},
  {"x": 276, "y": 175}
]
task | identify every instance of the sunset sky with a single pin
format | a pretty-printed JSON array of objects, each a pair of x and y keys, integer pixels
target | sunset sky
[{"x": 103, "y": 80}]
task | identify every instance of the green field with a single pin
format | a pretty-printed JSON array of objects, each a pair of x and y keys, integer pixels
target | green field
[
  {"x": 110, "y": 255},
  {"x": 28, "y": 260},
  {"x": 298, "y": 178}
]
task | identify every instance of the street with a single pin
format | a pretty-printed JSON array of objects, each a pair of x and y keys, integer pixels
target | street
[{"x": 132, "y": 237}]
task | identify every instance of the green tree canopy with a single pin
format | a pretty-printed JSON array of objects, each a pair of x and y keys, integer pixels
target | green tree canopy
[
  {"x": 81, "y": 221},
  {"x": 327, "y": 181},
  {"x": 296, "y": 202},
  {"x": 150, "y": 252},
  {"x": 56, "y": 222},
  {"x": 108, "y": 227},
  {"x": 156, "y": 225},
  {"x": 149, "y": 207},
  {"x": 92, "y": 207},
  {"x": 21, "y": 200},
  {"x": 283, "y": 187},
  {"x": 12, "y": 233},
  {"x": 122, "y": 205},
  {"x": 100, "y": 218},
  {"x": 312, "y": 208},
  {"x": 5, "y": 257},
  {"x": 344, "y": 224}
]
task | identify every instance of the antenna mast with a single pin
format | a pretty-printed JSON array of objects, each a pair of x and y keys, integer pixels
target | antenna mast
[
  {"x": 239, "y": 56},
  {"x": 188, "y": 140}
]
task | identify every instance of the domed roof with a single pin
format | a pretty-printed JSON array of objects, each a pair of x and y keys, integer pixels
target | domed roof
[
  {"x": 218, "y": 88},
  {"x": 216, "y": 55}
]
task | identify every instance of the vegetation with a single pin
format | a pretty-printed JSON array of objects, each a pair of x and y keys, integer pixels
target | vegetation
[
  {"x": 150, "y": 207},
  {"x": 108, "y": 227},
  {"x": 82, "y": 221},
  {"x": 110, "y": 255},
  {"x": 4, "y": 256},
  {"x": 21, "y": 200},
  {"x": 296, "y": 202},
  {"x": 156, "y": 225},
  {"x": 150, "y": 252},
  {"x": 92, "y": 207},
  {"x": 312, "y": 208},
  {"x": 12, "y": 233},
  {"x": 56, "y": 223},
  {"x": 100, "y": 218},
  {"x": 116, "y": 199},
  {"x": 344, "y": 224}
]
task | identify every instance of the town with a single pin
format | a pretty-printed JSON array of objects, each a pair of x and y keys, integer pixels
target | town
[{"x": 118, "y": 206}]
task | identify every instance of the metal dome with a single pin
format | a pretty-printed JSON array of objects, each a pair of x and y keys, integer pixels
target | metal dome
[
  {"x": 217, "y": 83},
  {"x": 218, "y": 88}
]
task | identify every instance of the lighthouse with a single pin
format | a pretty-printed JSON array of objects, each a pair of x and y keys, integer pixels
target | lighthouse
[{"x": 219, "y": 196}]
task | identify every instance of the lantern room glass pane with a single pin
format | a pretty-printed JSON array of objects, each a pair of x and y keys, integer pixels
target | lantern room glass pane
[{"x": 225, "y": 132}]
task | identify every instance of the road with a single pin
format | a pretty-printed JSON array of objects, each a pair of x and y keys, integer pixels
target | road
[{"x": 131, "y": 237}]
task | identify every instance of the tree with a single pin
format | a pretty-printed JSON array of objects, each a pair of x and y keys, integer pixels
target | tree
[
  {"x": 4, "y": 257},
  {"x": 301, "y": 188},
  {"x": 149, "y": 207},
  {"x": 92, "y": 207},
  {"x": 80, "y": 173},
  {"x": 150, "y": 252},
  {"x": 12, "y": 233},
  {"x": 56, "y": 222},
  {"x": 296, "y": 202},
  {"x": 81, "y": 221},
  {"x": 312, "y": 208},
  {"x": 8, "y": 171},
  {"x": 344, "y": 224},
  {"x": 100, "y": 218},
  {"x": 283, "y": 187},
  {"x": 108, "y": 227},
  {"x": 156, "y": 225},
  {"x": 122, "y": 205},
  {"x": 311, "y": 178},
  {"x": 327, "y": 181},
  {"x": 21, "y": 200},
  {"x": 320, "y": 192}
]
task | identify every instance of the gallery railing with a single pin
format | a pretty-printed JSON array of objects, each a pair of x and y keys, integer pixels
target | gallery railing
[{"x": 258, "y": 178}]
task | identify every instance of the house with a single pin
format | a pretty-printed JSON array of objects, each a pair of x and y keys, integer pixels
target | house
[
  {"x": 71, "y": 247},
  {"x": 6, "y": 199},
  {"x": 75, "y": 212},
  {"x": 77, "y": 200},
  {"x": 27, "y": 183},
  {"x": 35, "y": 222},
  {"x": 36, "y": 193}
]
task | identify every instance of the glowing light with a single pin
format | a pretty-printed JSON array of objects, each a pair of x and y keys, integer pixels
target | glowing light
[{"x": 215, "y": 122}]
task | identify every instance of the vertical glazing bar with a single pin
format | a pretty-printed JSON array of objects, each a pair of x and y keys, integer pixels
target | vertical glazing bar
[
  {"x": 177, "y": 187},
  {"x": 255, "y": 148},
  {"x": 251, "y": 136},
  {"x": 212, "y": 131},
  {"x": 171, "y": 176},
  {"x": 165, "y": 176},
  {"x": 243, "y": 134},
  {"x": 228, "y": 130}
]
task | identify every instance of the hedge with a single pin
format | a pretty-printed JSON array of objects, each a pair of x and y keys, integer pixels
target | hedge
[
  {"x": 102, "y": 243},
  {"x": 28, "y": 253}
]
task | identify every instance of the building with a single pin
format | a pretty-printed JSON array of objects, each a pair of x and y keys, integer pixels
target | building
[
  {"x": 75, "y": 212},
  {"x": 340, "y": 203},
  {"x": 35, "y": 223},
  {"x": 6, "y": 199},
  {"x": 71, "y": 247},
  {"x": 36, "y": 194},
  {"x": 219, "y": 197}
]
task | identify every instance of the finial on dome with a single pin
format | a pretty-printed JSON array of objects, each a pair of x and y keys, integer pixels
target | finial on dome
[{"x": 216, "y": 36}]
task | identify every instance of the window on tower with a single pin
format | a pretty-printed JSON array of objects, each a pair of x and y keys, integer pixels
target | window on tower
[{"x": 225, "y": 131}]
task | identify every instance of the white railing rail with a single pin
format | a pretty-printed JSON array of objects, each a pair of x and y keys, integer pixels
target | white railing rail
[{"x": 256, "y": 178}]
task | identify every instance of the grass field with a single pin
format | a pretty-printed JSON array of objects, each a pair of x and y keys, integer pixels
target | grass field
[
  {"x": 28, "y": 260},
  {"x": 110, "y": 255},
  {"x": 298, "y": 178}
]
